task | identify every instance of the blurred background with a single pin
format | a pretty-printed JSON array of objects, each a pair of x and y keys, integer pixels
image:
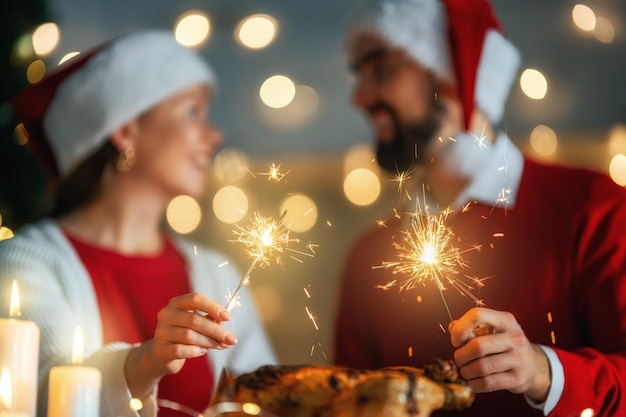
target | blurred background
[{"x": 292, "y": 141}]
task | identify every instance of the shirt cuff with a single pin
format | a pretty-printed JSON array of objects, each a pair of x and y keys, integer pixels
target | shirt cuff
[{"x": 556, "y": 386}]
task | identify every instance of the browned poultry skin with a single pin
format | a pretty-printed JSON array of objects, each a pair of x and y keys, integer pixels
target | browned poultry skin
[{"x": 329, "y": 391}]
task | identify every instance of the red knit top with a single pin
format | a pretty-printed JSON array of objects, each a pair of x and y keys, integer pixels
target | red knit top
[{"x": 130, "y": 292}]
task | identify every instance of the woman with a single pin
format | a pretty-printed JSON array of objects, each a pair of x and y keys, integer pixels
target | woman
[{"x": 126, "y": 129}]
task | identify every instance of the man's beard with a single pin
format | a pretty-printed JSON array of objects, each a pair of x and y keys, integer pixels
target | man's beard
[{"x": 410, "y": 140}]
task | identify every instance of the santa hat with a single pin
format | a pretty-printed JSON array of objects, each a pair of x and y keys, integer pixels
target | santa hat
[
  {"x": 70, "y": 113},
  {"x": 459, "y": 40}
]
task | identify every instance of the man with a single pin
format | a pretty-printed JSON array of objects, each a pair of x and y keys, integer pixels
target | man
[{"x": 538, "y": 291}]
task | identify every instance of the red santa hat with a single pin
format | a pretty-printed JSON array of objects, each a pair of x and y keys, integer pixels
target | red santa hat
[
  {"x": 459, "y": 40},
  {"x": 71, "y": 112}
]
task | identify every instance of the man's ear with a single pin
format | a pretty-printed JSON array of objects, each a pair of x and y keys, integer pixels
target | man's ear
[{"x": 125, "y": 135}]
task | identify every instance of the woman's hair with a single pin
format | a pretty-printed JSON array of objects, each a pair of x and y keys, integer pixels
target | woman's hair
[{"x": 85, "y": 182}]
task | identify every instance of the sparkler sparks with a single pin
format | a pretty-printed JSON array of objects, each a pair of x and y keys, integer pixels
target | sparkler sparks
[
  {"x": 274, "y": 173},
  {"x": 266, "y": 240},
  {"x": 426, "y": 253}
]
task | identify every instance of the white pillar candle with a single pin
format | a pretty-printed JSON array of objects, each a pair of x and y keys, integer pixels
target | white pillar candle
[
  {"x": 74, "y": 390},
  {"x": 6, "y": 395},
  {"x": 19, "y": 352}
]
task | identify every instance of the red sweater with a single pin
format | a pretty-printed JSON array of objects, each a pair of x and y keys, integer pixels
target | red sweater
[
  {"x": 557, "y": 261},
  {"x": 130, "y": 292}
]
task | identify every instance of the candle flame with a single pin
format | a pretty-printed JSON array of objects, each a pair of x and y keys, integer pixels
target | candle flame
[
  {"x": 6, "y": 391},
  {"x": 78, "y": 348},
  {"x": 14, "y": 308}
]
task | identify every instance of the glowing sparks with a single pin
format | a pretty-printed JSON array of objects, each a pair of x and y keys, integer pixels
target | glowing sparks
[
  {"x": 274, "y": 173},
  {"x": 401, "y": 178},
  {"x": 266, "y": 241},
  {"x": 426, "y": 253},
  {"x": 311, "y": 317}
]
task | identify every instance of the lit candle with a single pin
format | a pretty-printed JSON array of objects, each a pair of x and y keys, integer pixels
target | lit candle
[
  {"x": 74, "y": 390},
  {"x": 6, "y": 395},
  {"x": 19, "y": 353}
]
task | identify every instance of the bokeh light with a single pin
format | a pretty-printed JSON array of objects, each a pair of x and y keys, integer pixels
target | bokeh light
[
  {"x": 587, "y": 412},
  {"x": 135, "y": 404},
  {"x": 617, "y": 169},
  {"x": 617, "y": 140},
  {"x": 534, "y": 84},
  {"x": 183, "y": 214},
  {"x": 36, "y": 71},
  {"x": 231, "y": 165},
  {"x": 277, "y": 91},
  {"x": 360, "y": 155},
  {"x": 46, "y": 38},
  {"x": 361, "y": 187},
  {"x": 604, "y": 30},
  {"x": 68, "y": 56},
  {"x": 302, "y": 109},
  {"x": 5, "y": 232},
  {"x": 543, "y": 140},
  {"x": 251, "y": 409},
  {"x": 22, "y": 51},
  {"x": 301, "y": 212},
  {"x": 256, "y": 31},
  {"x": 192, "y": 28},
  {"x": 230, "y": 204},
  {"x": 584, "y": 18}
]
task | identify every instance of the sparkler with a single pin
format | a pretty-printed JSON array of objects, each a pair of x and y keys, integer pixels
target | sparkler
[
  {"x": 266, "y": 240},
  {"x": 426, "y": 253}
]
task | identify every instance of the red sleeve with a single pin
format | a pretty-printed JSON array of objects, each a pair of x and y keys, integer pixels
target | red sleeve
[{"x": 595, "y": 376}]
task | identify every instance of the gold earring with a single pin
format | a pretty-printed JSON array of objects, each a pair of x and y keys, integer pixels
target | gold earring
[{"x": 127, "y": 159}]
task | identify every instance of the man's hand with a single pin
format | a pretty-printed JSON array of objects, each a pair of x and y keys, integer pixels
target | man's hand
[{"x": 494, "y": 354}]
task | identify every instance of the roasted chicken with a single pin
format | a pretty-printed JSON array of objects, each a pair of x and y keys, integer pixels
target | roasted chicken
[{"x": 325, "y": 391}]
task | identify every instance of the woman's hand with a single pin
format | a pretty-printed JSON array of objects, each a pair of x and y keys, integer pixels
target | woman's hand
[
  {"x": 187, "y": 327},
  {"x": 493, "y": 354}
]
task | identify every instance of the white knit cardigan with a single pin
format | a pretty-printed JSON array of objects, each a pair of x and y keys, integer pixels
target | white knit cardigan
[{"x": 57, "y": 294}]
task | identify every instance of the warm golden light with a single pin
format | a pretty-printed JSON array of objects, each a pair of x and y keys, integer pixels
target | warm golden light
[
  {"x": 360, "y": 155},
  {"x": 251, "y": 409},
  {"x": 617, "y": 169},
  {"x": 427, "y": 253},
  {"x": 301, "y": 212},
  {"x": 6, "y": 390},
  {"x": 587, "y": 412},
  {"x": 301, "y": 110},
  {"x": 183, "y": 214},
  {"x": 277, "y": 91},
  {"x": 230, "y": 204},
  {"x": 584, "y": 18},
  {"x": 361, "y": 186},
  {"x": 6, "y": 233},
  {"x": 231, "y": 165},
  {"x": 543, "y": 140},
  {"x": 78, "y": 346},
  {"x": 617, "y": 140},
  {"x": 192, "y": 28},
  {"x": 14, "y": 307},
  {"x": 46, "y": 38},
  {"x": 36, "y": 71},
  {"x": 135, "y": 404},
  {"x": 534, "y": 84},
  {"x": 604, "y": 30},
  {"x": 68, "y": 56},
  {"x": 266, "y": 241},
  {"x": 257, "y": 31}
]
